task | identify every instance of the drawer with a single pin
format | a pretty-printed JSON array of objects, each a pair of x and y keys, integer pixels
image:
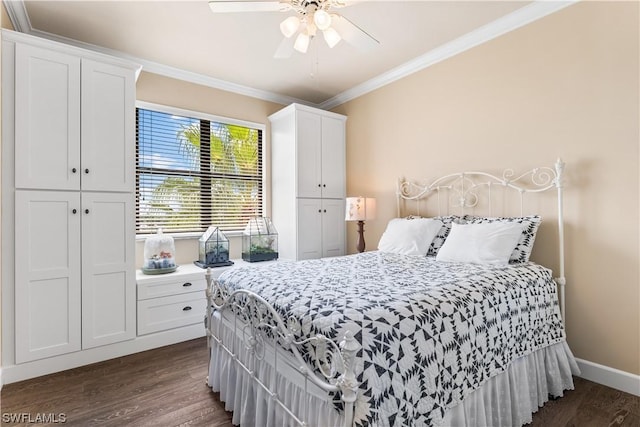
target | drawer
[
  {"x": 159, "y": 314},
  {"x": 175, "y": 286}
]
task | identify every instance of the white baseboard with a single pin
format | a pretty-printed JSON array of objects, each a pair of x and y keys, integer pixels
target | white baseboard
[{"x": 611, "y": 377}]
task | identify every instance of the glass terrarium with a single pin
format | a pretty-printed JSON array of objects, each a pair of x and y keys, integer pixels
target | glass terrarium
[
  {"x": 259, "y": 240},
  {"x": 159, "y": 254},
  {"x": 213, "y": 249}
]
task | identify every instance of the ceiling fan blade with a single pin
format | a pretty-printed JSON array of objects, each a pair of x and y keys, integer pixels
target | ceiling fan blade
[
  {"x": 231, "y": 6},
  {"x": 285, "y": 49},
  {"x": 353, "y": 34}
]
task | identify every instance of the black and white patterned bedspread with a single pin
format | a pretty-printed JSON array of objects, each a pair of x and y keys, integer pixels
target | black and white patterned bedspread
[{"x": 431, "y": 332}]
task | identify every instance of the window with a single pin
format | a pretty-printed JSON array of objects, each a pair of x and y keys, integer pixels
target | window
[{"x": 195, "y": 170}]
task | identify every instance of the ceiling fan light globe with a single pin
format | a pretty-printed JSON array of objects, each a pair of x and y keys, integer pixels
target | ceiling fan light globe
[
  {"x": 302, "y": 43},
  {"x": 331, "y": 36},
  {"x": 289, "y": 26},
  {"x": 322, "y": 19}
]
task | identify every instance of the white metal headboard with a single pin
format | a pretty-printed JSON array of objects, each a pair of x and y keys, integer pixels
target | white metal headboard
[{"x": 464, "y": 191}]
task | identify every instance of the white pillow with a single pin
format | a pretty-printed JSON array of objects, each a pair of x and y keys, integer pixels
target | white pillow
[
  {"x": 409, "y": 236},
  {"x": 485, "y": 243}
]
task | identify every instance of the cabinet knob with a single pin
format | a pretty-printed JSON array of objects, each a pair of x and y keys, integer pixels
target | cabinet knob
[
  {"x": 74, "y": 211},
  {"x": 319, "y": 210},
  {"x": 186, "y": 285},
  {"x": 187, "y": 308},
  {"x": 74, "y": 170},
  {"x": 324, "y": 185},
  {"x": 319, "y": 185},
  {"x": 325, "y": 211},
  {"x": 86, "y": 171},
  {"x": 86, "y": 211}
]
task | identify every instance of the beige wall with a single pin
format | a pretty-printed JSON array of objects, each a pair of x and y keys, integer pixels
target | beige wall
[
  {"x": 565, "y": 86},
  {"x": 180, "y": 94},
  {"x": 5, "y": 21}
]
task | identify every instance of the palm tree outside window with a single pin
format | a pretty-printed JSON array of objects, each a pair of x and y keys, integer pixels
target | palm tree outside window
[{"x": 194, "y": 170}]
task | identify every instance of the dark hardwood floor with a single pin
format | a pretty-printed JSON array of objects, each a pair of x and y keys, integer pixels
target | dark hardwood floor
[{"x": 166, "y": 387}]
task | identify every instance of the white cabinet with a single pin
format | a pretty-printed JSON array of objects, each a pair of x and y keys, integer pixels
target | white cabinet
[
  {"x": 47, "y": 117},
  {"x": 68, "y": 169},
  {"x": 108, "y": 127},
  {"x": 108, "y": 268},
  {"x": 320, "y": 230},
  {"x": 308, "y": 182},
  {"x": 74, "y": 269},
  {"x": 178, "y": 299},
  {"x": 47, "y": 274},
  {"x": 74, "y": 122},
  {"x": 171, "y": 300}
]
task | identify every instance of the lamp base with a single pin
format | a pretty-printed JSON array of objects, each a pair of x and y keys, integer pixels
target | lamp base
[{"x": 360, "y": 236}]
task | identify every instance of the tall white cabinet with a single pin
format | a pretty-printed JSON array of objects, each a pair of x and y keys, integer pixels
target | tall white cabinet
[
  {"x": 308, "y": 182},
  {"x": 68, "y": 153}
]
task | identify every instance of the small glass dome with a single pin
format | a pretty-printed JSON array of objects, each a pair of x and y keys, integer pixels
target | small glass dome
[
  {"x": 213, "y": 249},
  {"x": 259, "y": 240},
  {"x": 159, "y": 254}
]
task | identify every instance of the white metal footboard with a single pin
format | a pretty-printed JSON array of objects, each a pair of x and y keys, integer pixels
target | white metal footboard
[{"x": 260, "y": 326}]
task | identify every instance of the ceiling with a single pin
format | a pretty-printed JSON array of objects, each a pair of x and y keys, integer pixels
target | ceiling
[{"x": 234, "y": 51}]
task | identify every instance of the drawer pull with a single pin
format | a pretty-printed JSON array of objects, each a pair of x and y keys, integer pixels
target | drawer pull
[
  {"x": 186, "y": 285},
  {"x": 187, "y": 308}
]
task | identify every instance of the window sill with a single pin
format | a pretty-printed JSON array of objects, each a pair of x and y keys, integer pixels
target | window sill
[{"x": 187, "y": 236}]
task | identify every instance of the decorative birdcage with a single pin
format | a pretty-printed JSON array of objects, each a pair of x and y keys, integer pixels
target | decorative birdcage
[
  {"x": 259, "y": 240},
  {"x": 159, "y": 254},
  {"x": 213, "y": 249}
]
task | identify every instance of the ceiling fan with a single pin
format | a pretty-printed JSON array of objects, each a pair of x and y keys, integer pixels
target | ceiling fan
[{"x": 311, "y": 17}]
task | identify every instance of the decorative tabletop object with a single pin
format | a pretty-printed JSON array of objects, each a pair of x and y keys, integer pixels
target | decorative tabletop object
[
  {"x": 159, "y": 254},
  {"x": 259, "y": 240},
  {"x": 213, "y": 249}
]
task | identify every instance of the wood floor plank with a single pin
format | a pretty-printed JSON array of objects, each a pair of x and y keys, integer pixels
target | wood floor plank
[{"x": 166, "y": 387}]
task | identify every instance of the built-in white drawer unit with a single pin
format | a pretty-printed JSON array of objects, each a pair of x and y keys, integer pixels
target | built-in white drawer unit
[
  {"x": 159, "y": 314},
  {"x": 178, "y": 299},
  {"x": 173, "y": 285},
  {"x": 172, "y": 300}
]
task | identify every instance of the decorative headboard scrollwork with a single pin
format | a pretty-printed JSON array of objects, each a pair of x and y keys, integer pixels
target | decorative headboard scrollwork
[{"x": 462, "y": 192}]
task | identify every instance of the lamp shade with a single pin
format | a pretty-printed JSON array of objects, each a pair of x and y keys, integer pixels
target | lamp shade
[{"x": 360, "y": 208}]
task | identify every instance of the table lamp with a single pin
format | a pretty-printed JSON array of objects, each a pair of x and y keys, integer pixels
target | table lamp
[{"x": 360, "y": 209}]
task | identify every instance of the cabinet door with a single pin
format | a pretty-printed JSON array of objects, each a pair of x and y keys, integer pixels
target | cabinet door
[
  {"x": 108, "y": 271},
  {"x": 108, "y": 127},
  {"x": 47, "y": 274},
  {"x": 333, "y": 158},
  {"x": 309, "y": 153},
  {"x": 333, "y": 228},
  {"x": 47, "y": 119},
  {"x": 309, "y": 229}
]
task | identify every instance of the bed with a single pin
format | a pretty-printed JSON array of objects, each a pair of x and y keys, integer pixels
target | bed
[{"x": 437, "y": 327}]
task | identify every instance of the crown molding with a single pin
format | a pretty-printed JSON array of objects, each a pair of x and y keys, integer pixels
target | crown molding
[
  {"x": 18, "y": 15},
  {"x": 519, "y": 18},
  {"x": 176, "y": 73},
  {"x": 14, "y": 36},
  {"x": 20, "y": 20}
]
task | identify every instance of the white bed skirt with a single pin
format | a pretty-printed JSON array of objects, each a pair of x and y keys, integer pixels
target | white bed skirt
[{"x": 508, "y": 399}]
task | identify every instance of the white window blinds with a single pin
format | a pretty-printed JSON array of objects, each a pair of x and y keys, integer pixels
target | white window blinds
[{"x": 193, "y": 172}]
